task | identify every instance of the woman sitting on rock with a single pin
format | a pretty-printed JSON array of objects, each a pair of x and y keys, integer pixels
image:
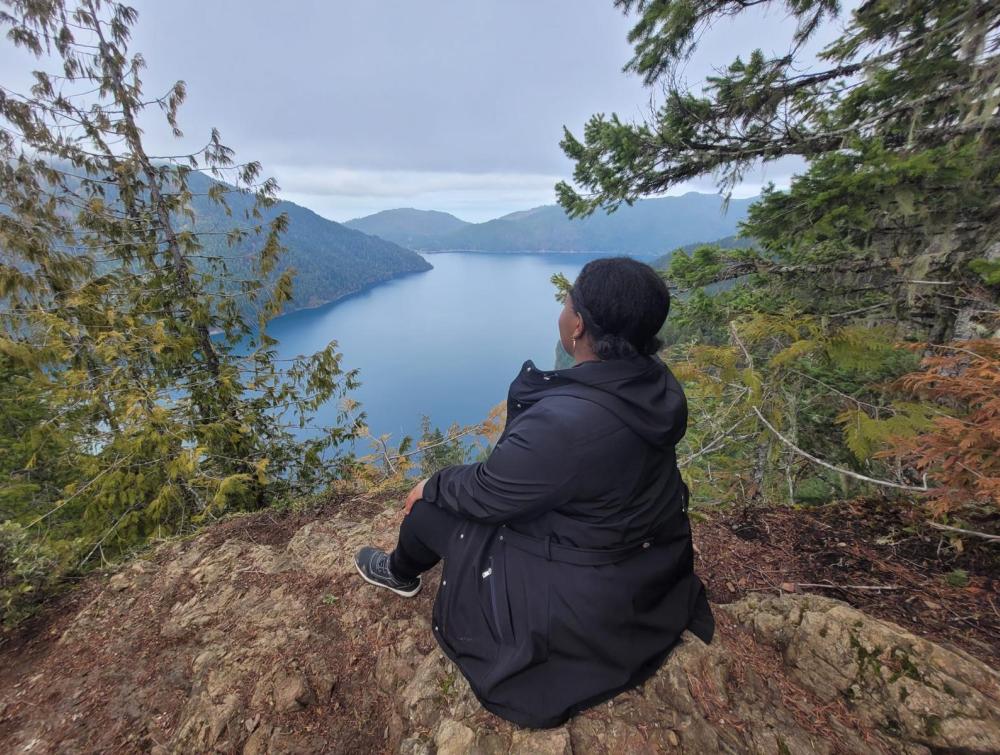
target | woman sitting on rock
[{"x": 568, "y": 564}]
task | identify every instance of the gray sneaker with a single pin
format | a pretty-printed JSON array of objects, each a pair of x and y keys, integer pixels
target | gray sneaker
[{"x": 373, "y": 566}]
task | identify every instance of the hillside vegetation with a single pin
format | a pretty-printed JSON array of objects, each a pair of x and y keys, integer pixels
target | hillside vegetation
[
  {"x": 414, "y": 229},
  {"x": 649, "y": 226},
  {"x": 330, "y": 260},
  {"x": 141, "y": 393}
]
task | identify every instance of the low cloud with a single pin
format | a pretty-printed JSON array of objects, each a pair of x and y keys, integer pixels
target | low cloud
[
  {"x": 340, "y": 182},
  {"x": 342, "y": 194}
]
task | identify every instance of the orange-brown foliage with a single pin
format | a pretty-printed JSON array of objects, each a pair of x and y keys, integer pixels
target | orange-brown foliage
[{"x": 961, "y": 455}]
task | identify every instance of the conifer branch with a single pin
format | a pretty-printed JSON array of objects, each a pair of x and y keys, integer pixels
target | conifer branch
[{"x": 833, "y": 467}]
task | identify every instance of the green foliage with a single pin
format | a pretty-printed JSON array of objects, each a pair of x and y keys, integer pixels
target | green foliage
[
  {"x": 702, "y": 315},
  {"x": 988, "y": 269},
  {"x": 864, "y": 435},
  {"x": 728, "y": 242},
  {"x": 898, "y": 123},
  {"x": 699, "y": 267},
  {"x": 668, "y": 31},
  {"x": 142, "y": 394},
  {"x": 439, "y": 451},
  {"x": 957, "y": 578},
  {"x": 27, "y": 571},
  {"x": 562, "y": 285},
  {"x": 814, "y": 490},
  {"x": 27, "y": 441},
  {"x": 803, "y": 376},
  {"x": 788, "y": 347}
]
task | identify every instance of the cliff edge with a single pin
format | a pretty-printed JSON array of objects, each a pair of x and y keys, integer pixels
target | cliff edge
[{"x": 258, "y": 637}]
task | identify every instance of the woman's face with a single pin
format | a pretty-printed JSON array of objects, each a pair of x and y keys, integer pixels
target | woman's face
[{"x": 570, "y": 325}]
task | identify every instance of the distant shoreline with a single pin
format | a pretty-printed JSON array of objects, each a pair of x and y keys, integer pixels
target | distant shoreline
[
  {"x": 535, "y": 251},
  {"x": 396, "y": 276},
  {"x": 338, "y": 299},
  {"x": 349, "y": 294}
]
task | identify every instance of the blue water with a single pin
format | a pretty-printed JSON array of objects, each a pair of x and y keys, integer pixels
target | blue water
[{"x": 446, "y": 342}]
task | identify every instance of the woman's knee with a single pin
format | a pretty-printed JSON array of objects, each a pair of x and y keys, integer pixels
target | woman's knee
[{"x": 430, "y": 524}]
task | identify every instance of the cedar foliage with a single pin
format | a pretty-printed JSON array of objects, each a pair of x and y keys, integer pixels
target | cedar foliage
[
  {"x": 388, "y": 468},
  {"x": 141, "y": 392},
  {"x": 960, "y": 449}
]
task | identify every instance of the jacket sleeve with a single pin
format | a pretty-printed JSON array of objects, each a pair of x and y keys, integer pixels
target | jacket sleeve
[{"x": 529, "y": 472}]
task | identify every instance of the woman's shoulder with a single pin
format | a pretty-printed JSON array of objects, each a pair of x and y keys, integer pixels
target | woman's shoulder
[{"x": 583, "y": 418}]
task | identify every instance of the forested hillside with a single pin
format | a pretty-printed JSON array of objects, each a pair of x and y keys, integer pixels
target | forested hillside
[
  {"x": 649, "y": 226},
  {"x": 330, "y": 260},
  {"x": 414, "y": 229}
]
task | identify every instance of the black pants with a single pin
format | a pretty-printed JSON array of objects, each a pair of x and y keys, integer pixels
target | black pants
[{"x": 423, "y": 539}]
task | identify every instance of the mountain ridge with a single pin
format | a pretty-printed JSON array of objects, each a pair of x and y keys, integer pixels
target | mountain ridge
[
  {"x": 407, "y": 226},
  {"x": 648, "y": 227},
  {"x": 331, "y": 260}
]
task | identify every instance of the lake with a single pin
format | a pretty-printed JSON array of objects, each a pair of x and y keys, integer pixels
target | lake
[{"x": 446, "y": 342}]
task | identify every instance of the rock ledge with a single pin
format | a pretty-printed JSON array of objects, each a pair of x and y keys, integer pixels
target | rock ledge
[{"x": 248, "y": 647}]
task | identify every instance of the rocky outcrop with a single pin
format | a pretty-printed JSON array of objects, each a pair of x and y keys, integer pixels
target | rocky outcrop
[
  {"x": 789, "y": 674},
  {"x": 902, "y": 684},
  {"x": 256, "y": 644}
]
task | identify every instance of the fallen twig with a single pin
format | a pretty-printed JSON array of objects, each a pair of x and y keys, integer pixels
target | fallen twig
[
  {"x": 806, "y": 454},
  {"x": 849, "y": 587},
  {"x": 973, "y": 533}
]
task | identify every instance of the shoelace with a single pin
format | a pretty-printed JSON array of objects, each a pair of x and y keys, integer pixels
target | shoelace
[{"x": 380, "y": 567}]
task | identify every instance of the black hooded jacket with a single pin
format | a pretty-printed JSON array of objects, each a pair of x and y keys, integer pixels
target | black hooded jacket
[{"x": 572, "y": 577}]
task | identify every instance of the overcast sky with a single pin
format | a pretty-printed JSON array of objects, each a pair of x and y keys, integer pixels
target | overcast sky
[{"x": 441, "y": 104}]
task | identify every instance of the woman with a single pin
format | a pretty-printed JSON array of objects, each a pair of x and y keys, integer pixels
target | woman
[{"x": 568, "y": 564}]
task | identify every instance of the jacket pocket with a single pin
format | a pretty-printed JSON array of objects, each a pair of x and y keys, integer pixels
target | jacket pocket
[
  {"x": 508, "y": 610},
  {"x": 523, "y": 598},
  {"x": 492, "y": 577}
]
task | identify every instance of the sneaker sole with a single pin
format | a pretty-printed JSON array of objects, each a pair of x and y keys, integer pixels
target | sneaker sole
[{"x": 404, "y": 593}]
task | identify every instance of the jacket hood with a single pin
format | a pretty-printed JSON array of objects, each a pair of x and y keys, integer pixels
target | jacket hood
[{"x": 640, "y": 390}]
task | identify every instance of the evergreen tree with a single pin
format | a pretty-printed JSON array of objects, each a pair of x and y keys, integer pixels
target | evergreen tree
[
  {"x": 439, "y": 451},
  {"x": 140, "y": 397},
  {"x": 898, "y": 124},
  {"x": 891, "y": 233}
]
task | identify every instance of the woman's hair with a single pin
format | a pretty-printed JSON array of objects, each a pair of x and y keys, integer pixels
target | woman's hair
[{"x": 623, "y": 303}]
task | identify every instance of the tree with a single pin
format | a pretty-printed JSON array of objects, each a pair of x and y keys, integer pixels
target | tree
[
  {"x": 891, "y": 233},
  {"x": 898, "y": 123},
  {"x": 960, "y": 445},
  {"x": 155, "y": 401},
  {"x": 439, "y": 451}
]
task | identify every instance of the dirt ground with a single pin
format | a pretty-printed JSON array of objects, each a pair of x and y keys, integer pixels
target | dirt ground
[
  {"x": 878, "y": 558},
  {"x": 89, "y": 700}
]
